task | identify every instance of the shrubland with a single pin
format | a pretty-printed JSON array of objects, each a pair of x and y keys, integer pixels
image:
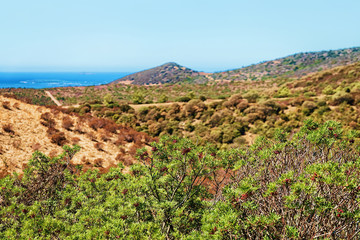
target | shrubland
[
  {"x": 224, "y": 113},
  {"x": 236, "y": 119},
  {"x": 301, "y": 187}
]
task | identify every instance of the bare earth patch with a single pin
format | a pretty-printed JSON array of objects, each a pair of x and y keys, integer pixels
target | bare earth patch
[{"x": 28, "y": 134}]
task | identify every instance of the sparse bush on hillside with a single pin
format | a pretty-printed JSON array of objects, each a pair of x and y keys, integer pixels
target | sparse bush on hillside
[
  {"x": 125, "y": 108},
  {"x": 183, "y": 99},
  {"x": 328, "y": 90},
  {"x": 323, "y": 109},
  {"x": 6, "y": 105},
  {"x": 67, "y": 123},
  {"x": 308, "y": 107},
  {"x": 309, "y": 94},
  {"x": 125, "y": 160},
  {"x": 16, "y": 105},
  {"x": 99, "y": 146},
  {"x": 283, "y": 92},
  {"x": 97, "y": 123},
  {"x": 98, "y": 162},
  {"x": 85, "y": 109},
  {"x": 51, "y": 131},
  {"x": 216, "y": 120},
  {"x": 298, "y": 101},
  {"x": 16, "y": 143},
  {"x": 8, "y": 128},
  {"x": 36, "y": 146},
  {"x": 193, "y": 107},
  {"x": 155, "y": 129},
  {"x": 138, "y": 98},
  {"x": 47, "y": 120},
  {"x": 111, "y": 127},
  {"x": 252, "y": 96},
  {"x": 343, "y": 97},
  {"x": 58, "y": 138},
  {"x": 230, "y": 132},
  {"x": 108, "y": 99},
  {"x": 127, "y": 119},
  {"x": 202, "y": 98},
  {"x": 253, "y": 117},
  {"x": 233, "y": 101},
  {"x": 273, "y": 107},
  {"x": 75, "y": 140},
  {"x": 163, "y": 98},
  {"x": 79, "y": 127},
  {"x": 242, "y": 105},
  {"x": 92, "y": 136}
]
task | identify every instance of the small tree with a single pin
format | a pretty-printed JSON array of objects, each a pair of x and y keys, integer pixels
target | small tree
[
  {"x": 138, "y": 98},
  {"x": 175, "y": 175},
  {"x": 108, "y": 99}
]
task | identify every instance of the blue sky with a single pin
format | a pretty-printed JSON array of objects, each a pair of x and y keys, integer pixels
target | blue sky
[{"x": 206, "y": 35}]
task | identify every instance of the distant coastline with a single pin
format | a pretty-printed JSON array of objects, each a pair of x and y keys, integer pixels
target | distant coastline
[{"x": 57, "y": 79}]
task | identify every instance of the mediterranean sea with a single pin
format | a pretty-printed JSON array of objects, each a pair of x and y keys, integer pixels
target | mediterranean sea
[{"x": 57, "y": 79}]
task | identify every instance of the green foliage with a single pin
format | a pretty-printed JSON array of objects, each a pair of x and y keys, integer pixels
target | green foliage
[
  {"x": 308, "y": 107},
  {"x": 282, "y": 93},
  {"x": 295, "y": 188},
  {"x": 108, "y": 99},
  {"x": 138, "y": 98},
  {"x": 343, "y": 98},
  {"x": 252, "y": 96},
  {"x": 202, "y": 98},
  {"x": 183, "y": 99},
  {"x": 163, "y": 98},
  {"x": 328, "y": 90}
]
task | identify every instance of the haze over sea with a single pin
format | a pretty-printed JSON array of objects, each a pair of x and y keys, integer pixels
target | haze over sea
[{"x": 56, "y": 79}]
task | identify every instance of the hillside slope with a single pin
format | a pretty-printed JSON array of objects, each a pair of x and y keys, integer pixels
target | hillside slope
[
  {"x": 166, "y": 73},
  {"x": 296, "y": 65},
  {"x": 25, "y": 128}
]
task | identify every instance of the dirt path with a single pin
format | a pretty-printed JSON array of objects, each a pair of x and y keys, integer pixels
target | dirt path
[
  {"x": 138, "y": 106},
  {"x": 53, "y": 98}
]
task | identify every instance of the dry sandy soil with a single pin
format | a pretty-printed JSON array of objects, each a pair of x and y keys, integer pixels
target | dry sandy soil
[{"x": 28, "y": 134}]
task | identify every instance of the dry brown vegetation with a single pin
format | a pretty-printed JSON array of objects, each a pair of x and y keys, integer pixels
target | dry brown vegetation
[
  {"x": 28, "y": 128},
  {"x": 8, "y": 128},
  {"x": 6, "y": 105}
]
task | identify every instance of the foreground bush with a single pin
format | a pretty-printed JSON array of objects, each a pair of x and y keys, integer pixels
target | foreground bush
[{"x": 304, "y": 188}]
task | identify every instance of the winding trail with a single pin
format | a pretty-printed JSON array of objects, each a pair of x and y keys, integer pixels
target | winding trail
[
  {"x": 139, "y": 106},
  {"x": 53, "y": 98}
]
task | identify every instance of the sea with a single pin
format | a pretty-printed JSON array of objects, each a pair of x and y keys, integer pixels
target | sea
[{"x": 57, "y": 79}]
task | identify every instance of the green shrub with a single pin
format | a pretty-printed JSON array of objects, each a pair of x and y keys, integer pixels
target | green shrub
[
  {"x": 138, "y": 98},
  {"x": 328, "y": 90},
  {"x": 233, "y": 101},
  {"x": 296, "y": 188},
  {"x": 202, "y": 98},
  {"x": 309, "y": 94},
  {"x": 343, "y": 98},
  {"x": 252, "y": 96},
  {"x": 183, "y": 99},
  {"x": 108, "y": 99},
  {"x": 308, "y": 107},
  {"x": 163, "y": 99},
  {"x": 283, "y": 92}
]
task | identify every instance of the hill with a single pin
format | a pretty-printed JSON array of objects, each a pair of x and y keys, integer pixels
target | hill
[
  {"x": 296, "y": 65},
  {"x": 166, "y": 73},
  {"x": 293, "y": 66},
  {"x": 25, "y": 128}
]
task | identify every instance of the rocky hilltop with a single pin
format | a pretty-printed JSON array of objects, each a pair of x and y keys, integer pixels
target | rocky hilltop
[{"x": 166, "y": 73}]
